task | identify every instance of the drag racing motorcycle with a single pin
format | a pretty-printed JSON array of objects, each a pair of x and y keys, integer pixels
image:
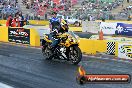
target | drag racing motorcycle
[{"x": 67, "y": 48}]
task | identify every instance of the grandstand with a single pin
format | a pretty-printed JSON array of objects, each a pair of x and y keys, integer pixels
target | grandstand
[
  {"x": 81, "y": 9},
  {"x": 8, "y": 7}
]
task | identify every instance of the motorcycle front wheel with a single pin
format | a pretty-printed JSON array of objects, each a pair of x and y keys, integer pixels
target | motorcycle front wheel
[{"x": 75, "y": 55}]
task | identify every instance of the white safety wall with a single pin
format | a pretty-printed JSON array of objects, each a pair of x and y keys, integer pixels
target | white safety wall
[{"x": 90, "y": 26}]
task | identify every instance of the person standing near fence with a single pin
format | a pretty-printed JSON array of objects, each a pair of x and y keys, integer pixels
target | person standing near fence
[
  {"x": 15, "y": 21},
  {"x": 9, "y": 21},
  {"x": 21, "y": 19}
]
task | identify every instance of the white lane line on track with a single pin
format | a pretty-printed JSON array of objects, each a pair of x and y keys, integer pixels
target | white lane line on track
[
  {"x": 2, "y": 85},
  {"x": 108, "y": 59}
]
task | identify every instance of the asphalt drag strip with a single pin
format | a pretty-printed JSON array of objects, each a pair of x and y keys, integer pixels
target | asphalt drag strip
[{"x": 22, "y": 67}]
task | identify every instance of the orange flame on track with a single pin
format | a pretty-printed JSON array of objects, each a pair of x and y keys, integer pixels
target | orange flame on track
[{"x": 82, "y": 72}]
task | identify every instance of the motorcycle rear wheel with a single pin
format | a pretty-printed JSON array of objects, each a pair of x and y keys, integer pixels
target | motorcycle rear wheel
[{"x": 47, "y": 53}]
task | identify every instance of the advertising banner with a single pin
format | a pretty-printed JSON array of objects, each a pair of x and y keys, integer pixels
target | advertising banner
[
  {"x": 108, "y": 28},
  {"x": 116, "y": 28},
  {"x": 125, "y": 50},
  {"x": 19, "y": 35},
  {"x": 123, "y": 29}
]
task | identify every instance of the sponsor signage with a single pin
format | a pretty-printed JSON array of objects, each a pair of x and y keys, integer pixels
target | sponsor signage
[
  {"x": 125, "y": 51},
  {"x": 123, "y": 29},
  {"x": 116, "y": 28},
  {"x": 83, "y": 78},
  {"x": 19, "y": 35}
]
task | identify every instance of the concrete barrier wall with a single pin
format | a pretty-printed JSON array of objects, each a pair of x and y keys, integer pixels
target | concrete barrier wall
[
  {"x": 87, "y": 46},
  {"x": 34, "y": 38},
  {"x": 118, "y": 49},
  {"x": 3, "y": 34},
  {"x": 2, "y": 21},
  {"x": 93, "y": 46},
  {"x": 101, "y": 46}
]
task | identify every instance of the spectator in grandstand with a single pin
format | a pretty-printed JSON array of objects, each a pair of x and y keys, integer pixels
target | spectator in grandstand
[
  {"x": 21, "y": 19},
  {"x": 64, "y": 6},
  {"x": 9, "y": 21},
  {"x": 28, "y": 5},
  {"x": 26, "y": 20},
  {"x": 8, "y": 7},
  {"x": 95, "y": 7},
  {"x": 15, "y": 21}
]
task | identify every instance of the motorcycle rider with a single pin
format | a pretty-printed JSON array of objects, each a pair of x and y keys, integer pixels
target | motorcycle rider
[{"x": 56, "y": 26}]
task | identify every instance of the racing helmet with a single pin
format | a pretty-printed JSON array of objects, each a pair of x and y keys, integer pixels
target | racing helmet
[{"x": 64, "y": 25}]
